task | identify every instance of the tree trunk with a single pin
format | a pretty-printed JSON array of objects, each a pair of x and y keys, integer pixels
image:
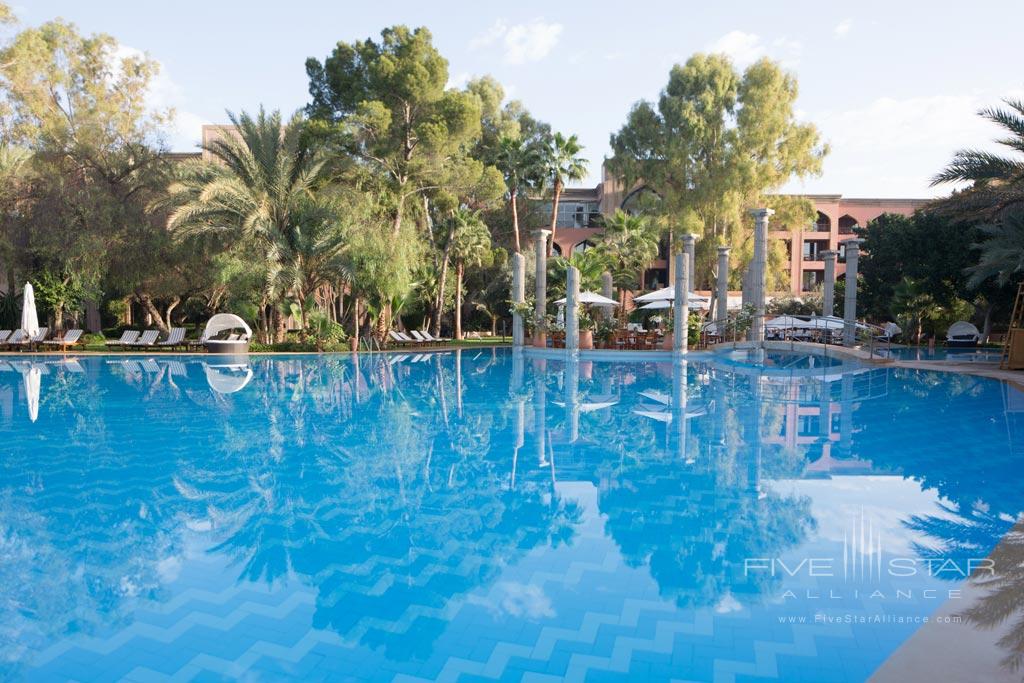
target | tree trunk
[
  {"x": 443, "y": 279},
  {"x": 147, "y": 305},
  {"x": 170, "y": 307},
  {"x": 280, "y": 322},
  {"x": 554, "y": 216},
  {"x": 459, "y": 268},
  {"x": 355, "y": 320},
  {"x": 515, "y": 219}
]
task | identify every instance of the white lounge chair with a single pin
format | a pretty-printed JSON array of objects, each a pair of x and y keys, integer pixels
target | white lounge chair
[
  {"x": 399, "y": 338},
  {"x": 70, "y": 338},
  {"x": 421, "y": 337},
  {"x": 175, "y": 338},
  {"x": 437, "y": 340},
  {"x": 28, "y": 342},
  {"x": 127, "y": 337},
  {"x": 148, "y": 338},
  {"x": 4, "y": 334},
  {"x": 16, "y": 339}
]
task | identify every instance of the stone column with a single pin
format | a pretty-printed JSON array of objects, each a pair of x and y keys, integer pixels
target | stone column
[
  {"x": 829, "y": 288},
  {"x": 850, "y": 302},
  {"x": 572, "y": 309},
  {"x": 722, "y": 311},
  {"x": 681, "y": 305},
  {"x": 690, "y": 249},
  {"x": 518, "y": 297},
  {"x": 608, "y": 290},
  {"x": 540, "y": 242},
  {"x": 759, "y": 268}
]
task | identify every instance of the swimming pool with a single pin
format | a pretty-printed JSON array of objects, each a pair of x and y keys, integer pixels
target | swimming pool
[
  {"x": 480, "y": 515},
  {"x": 981, "y": 354}
]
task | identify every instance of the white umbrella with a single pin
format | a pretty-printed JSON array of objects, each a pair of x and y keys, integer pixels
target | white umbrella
[
  {"x": 33, "y": 377},
  {"x": 29, "y": 318},
  {"x": 592, "y": 298},
  {"x": 667, "y": 294},
  {"x": 657, "y": 305}
]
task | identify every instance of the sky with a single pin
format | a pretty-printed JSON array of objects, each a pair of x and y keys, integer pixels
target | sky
[{"x": 893, "y": 87}]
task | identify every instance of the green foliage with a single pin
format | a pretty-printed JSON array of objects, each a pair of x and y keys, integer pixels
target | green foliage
[
  {"x": 715, "y": 143},
  {"x": 997, "y": 182},
  {"x": 58, "y": 295},
  {"x": 10, "y": 311}
]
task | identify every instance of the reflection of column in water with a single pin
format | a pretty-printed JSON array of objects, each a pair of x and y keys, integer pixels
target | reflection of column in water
[
  {"x": 571, "y": 390},
  {"x": 679, "y": 398},
  {"x": 520, "y": 437},
  {"x": 721, "y": 407},
  {"x": 539, "y": 410},
  {"x": 458, "y": 381},
  {"x": 518, "y": 368},
  {"x": 824, "y": 411},
  {"x": 752, "y": 436},
  {"x": 846, "y": 415}
]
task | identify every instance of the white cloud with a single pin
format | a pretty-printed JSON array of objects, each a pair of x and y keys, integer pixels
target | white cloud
[
  {"x": 891, "y": 147},
  {"x": 165, "y": 93},
  {"x": 521, "y": 43},
  {"x": 746, "y": 48},
  {"x": 742, "y": 48},
  {"x": 842, "y": 28}
]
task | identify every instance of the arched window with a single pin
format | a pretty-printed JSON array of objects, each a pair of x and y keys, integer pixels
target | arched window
[
  {"x": 581, "y": 247},
  {"x": 847, "y": 223},
  {"x": 555, "y": 249},
  {"x": 823, "y": 223}
]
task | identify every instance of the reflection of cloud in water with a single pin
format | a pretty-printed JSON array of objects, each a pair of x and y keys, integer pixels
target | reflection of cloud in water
[
  {"x": 521, "y": 600},
  {"x": 888, "y": 500}
]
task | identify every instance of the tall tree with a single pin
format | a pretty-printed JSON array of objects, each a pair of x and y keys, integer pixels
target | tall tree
[
  {"x": 471, "y": 247},
  {"x": 714, "y": 144},
  {"x": 387, "y": 105},
  {"x": 520, "y": 162},
  {"x": 562, "y": 164},
  {"x": 78, "y": 103},
  {"x": 258, "y": 195}
]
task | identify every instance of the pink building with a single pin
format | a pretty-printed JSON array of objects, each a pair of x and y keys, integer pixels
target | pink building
[{"x": 580, "y": 209}]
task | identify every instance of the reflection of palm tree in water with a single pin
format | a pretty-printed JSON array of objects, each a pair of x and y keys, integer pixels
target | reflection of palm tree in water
[
  {"x": 1001, "y": 582},
  {"x": 392, "y": 517}
]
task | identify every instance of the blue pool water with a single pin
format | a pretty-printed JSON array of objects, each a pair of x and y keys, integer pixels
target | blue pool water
[{"x": 477, "y": 515}]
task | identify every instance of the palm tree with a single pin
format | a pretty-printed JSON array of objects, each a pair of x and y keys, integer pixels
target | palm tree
[
  {"x": 471, "y": 245},
  {"x": 562, "y": 165},
  {"x": 1002, "y": 254},
  {"x": 591, "y": 264},
  {"x": 997, "y": 181},
  {"x": 251, "y": 196},
  {"x": 520, "y": 163},
  {"x": 630, "y": 243},
  {"x": 913, "y": 304},
  {"x": 311, "y": 255}
]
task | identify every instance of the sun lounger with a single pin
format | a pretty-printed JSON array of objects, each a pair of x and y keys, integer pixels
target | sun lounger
[
  {"x": 175, "y": 339},
  {"x": 70, "y": 338},
  {"x": 127, "y": 337},
  {"x": 407, "y": 339},
  {"x": 25, "y": 341},
  {"x": 16, "y": 339},
  {"x": 148, "y": 338},
  {"x": 430, "y": 337},
  {"x": 421, "y": 337},
  {"x": 4, "y": 334},
  {"x": 398, "y": 338}
]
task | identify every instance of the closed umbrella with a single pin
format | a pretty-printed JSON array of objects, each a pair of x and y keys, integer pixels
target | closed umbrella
[{"x": 29, "y": 318}]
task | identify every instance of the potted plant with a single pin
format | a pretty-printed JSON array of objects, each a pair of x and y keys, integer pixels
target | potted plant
[
  {"x": 587, "y": 327},
  {"x": 605, "y": 332}
]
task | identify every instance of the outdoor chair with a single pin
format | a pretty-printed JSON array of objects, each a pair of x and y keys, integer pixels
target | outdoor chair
[
  {"x": 147, "y": 339},
  {"x": 26, "y": 341},
  {"x": 175, "y": 339},
  {"x": 420, "y": 337},
  {"x": 70, "y": 338},
  {"x": 4, "y": 334},
  {"x": 127, "y": 337}
]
